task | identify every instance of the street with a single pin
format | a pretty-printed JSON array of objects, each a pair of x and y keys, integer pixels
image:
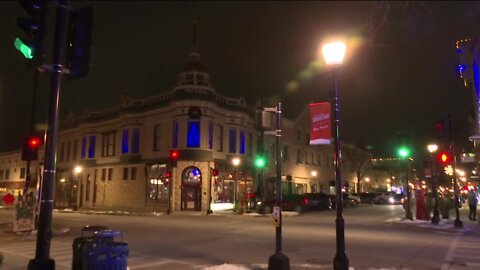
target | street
[{"x": 376, "y": 238}]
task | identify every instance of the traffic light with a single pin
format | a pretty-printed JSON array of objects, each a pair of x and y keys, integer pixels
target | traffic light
[
  {"x": 174, "y": 155},
  {"x": 78, "y": 42},
  {"x": 30, "y": 148},
  {"x": 440, "y": 129},
  {"x": 403, "y": 152},
  {"x": 168, "y": 174},
  {"x": 214, "y": 172},
  {"x": 445, "y": 158},
  {"x": 260, "y": 162},
  {"x": 34, "y": 27}
]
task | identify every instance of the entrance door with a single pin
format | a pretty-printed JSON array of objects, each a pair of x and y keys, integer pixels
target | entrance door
[
  {"x": 191, "y": 198},
  {"x": 191, "y": 189}
]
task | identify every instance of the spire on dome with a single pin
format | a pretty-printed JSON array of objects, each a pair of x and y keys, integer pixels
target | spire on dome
[{"x": 194, "y": 63}]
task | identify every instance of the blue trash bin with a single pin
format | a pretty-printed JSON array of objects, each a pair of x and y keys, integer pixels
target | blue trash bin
[
  {"x": 99, "y": 251},
  {"x": 84, "y": 243},
  {"x": 108, "y": 256}
]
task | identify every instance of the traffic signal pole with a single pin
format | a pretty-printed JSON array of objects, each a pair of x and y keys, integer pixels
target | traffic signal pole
[
  {"x": 42, "y": 260},
  {"x": 457, "y": 223},
  {"x": 278, "y": 261},
  {"x": 28, "y": 177}
]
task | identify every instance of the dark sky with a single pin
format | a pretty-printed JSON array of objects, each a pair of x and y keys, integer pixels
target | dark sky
[{"x": 400, "y": 78}]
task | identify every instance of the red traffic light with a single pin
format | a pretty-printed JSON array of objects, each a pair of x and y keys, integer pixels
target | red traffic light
[
  {"x": 33, "y": 142},
  {"x": 168, "y": 174},
  {"x": 174, "y": 154},
  {"x": 445, "y": 157},
  {"x": 214, "y": 172}
]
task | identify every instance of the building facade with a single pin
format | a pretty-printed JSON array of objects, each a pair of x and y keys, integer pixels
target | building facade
[{"x": 118, "y": 157}]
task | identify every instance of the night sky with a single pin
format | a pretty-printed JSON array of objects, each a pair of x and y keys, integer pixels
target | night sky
[{"x": 400, "y": 78}]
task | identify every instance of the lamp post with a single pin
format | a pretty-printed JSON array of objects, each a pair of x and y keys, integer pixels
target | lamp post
[
  {"x": 432, "y": 148},
  {"x": 333, "y": 54},
  {"x": 78, "y": 171},
  {"x": 235, "y": 163},
  {"x": 404, "y": 153}
]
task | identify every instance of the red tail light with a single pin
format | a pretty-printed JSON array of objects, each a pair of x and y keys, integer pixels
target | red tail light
[{"x": 305, "y": 200}]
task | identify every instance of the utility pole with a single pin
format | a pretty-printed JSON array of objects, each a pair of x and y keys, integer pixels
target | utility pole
[
  {"x": 42, "y": 260},
  {"x": 28, "y": 177},
  {"x": 457, "y": 223},
  {"x": 278, "y": 261}
]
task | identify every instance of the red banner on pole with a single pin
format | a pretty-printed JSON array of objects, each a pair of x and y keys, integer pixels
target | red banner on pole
[{"x": 320, "y": 123}]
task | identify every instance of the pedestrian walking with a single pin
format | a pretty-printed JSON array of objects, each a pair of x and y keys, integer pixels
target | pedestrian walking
[{"x": 472, "y": 204}]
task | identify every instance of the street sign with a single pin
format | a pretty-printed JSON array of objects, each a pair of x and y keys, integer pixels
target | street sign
[
  {"x": 276, "y": 216},
  {"x": 8, "y": 199}
]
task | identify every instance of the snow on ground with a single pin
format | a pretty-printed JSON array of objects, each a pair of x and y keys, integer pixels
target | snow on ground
[{"x": 227, "y": 266}]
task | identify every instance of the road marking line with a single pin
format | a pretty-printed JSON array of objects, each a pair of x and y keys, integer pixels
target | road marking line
[
  {"x": 449, "y": 256},
  {"x": 145, "y": 265}
]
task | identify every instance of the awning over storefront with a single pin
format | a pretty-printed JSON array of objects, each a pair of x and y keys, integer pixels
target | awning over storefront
[{"x": 12, "y": 184}]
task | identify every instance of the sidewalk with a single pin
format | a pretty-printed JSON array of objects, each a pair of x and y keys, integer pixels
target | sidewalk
[{"x": 446, "y": 225}]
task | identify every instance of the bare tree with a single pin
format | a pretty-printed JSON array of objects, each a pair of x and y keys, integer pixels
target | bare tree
[{"x": 359, "y": 160}]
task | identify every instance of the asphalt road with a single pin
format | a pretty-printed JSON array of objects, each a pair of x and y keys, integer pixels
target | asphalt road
[{"x": 375, "y": 239}]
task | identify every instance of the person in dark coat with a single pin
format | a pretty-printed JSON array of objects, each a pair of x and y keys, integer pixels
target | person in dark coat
[{"x": 472, "y": 204}]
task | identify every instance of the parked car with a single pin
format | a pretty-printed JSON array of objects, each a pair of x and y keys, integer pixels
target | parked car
[
  {"x": 352, "y": 196},
  {"x": 319, "y": 201},
  {"x": 368, "y": 197},
  {"x": 388, "y": 198},
  {"x": 383, "y": 198},
  {"x": 290, "y": 202},
  {"x": 348, "y": 200},
  {"x": 397, "y": 198}
]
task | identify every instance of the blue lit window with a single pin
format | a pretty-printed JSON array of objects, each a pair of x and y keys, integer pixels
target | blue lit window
[
  {"x": 232, "y": 144},
  {"x": 91, "y": 147},
  {"x": 135, "y": 139},
  {"x": 242, "y": 141},
  {"x": 83, "y": 152},
  {"x": 193, "y": 136},
  {"x": 175, "y": 135},
  {"x": 125, "y": 141},
  {"x": 210, "y": 135}
]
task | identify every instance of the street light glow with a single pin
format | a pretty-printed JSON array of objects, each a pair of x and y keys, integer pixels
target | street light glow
[
  {"x": 236, "y": 161},
  {"x": 334, "y": 52},
  {"x": 314, "y": 173},
  {"x": 432, "y": 148},
  {"x": 78, "y": 169}
]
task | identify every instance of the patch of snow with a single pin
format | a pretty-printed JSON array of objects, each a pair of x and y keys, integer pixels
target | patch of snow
[
  {"x": 61, "y": 231},
  {"x": 227, "y": 266}
]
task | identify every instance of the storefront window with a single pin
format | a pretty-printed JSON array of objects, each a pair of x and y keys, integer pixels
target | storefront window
[
  {"x": 223, "y": 192},
  {"x": 157, "y": 191}
]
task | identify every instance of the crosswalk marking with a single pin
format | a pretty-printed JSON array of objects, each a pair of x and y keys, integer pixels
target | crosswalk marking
[
  {"x": 463, "y": 253},
  {"x": 62, "y": 253}
]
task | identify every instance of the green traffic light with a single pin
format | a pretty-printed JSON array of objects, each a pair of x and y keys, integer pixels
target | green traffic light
[
  {"x": 403, "y": 152},
  {"x": 23, "y": 48},
  {"x": 260, "y": 162}
]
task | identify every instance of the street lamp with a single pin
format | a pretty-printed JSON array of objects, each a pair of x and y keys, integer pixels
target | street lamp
[
  {"x": 432, "y": 148},
  {"x": 404, "y": 153},
  {"x": 78, "y": 171},
  {"x": 333, "y": 54},
  {"x": 235, "y": 163}
]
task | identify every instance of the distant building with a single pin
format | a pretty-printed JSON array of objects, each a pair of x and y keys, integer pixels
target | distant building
[{"x": 122, "y": 153}]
